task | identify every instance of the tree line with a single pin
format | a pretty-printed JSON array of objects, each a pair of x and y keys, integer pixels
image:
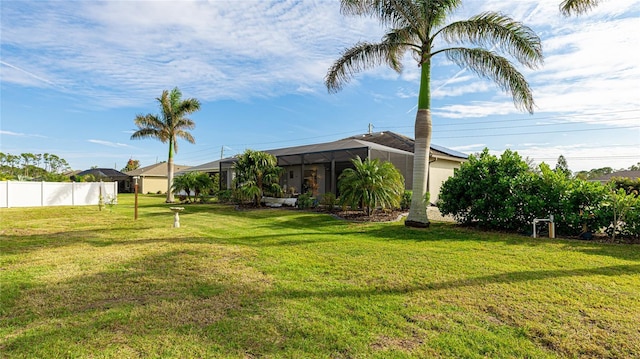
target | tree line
[{"x": 28, "y": 166}]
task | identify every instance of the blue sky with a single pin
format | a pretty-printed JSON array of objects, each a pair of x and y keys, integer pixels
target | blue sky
[{"x": 75, "y": 73}]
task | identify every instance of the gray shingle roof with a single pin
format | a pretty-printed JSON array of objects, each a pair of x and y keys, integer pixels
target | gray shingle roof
[{"x": 396, "y": 140}]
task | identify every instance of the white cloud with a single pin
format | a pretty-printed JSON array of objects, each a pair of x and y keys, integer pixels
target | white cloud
[
  {"x": 110, "y": 144},
  {"x": 19, "y": 134},
  {"x": 475, "y": 110},
  {"x": 475, "y": 147},
  {"x": 279, "y": 48},
  {"x": 111, "y": 54}
]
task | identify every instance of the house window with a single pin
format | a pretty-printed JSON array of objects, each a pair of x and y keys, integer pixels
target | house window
[{"x": 290, "y": 174}]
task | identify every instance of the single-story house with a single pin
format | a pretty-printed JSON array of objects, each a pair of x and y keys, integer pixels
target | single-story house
[
  {"x": 153, "y": 178},
  {"x": 632, "y": 175},
  {"x": 315, "y": 168},
  {"x": 107, "y": 175}
]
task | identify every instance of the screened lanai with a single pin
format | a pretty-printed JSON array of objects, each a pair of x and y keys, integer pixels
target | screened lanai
[{"x": 316, "y": 168}]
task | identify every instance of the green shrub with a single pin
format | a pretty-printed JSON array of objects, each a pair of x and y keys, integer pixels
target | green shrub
[
  {"x": 329, "y": 201},
  {"x": 225, "y": 196},
  {"x": 622, "y": 211},
  {"x": 503, "y": 193},
  {"x": 405, "y": 201},
  {"x": 483, "y": 191},
  {"x": 305, "y": 201}
]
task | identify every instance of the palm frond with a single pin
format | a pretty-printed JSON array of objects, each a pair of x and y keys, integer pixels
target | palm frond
[
  {"x": 149, "y": 126},
  {"x": 434, "y": 12},
  {"x": 184, "y": 123},
  {"x": 577, "y": 7},
  {"x": 371, "y": 184},
  {"x": 188, "y": 106},
  {"x": 185, "y": 136},
  {"x": 148, "y": 120},
  {"x": 490, "y": 65},
  {"x": 401, "y": 13},
  {"x": 494, "y": 29},
  {"x": 362, "y": 56}
]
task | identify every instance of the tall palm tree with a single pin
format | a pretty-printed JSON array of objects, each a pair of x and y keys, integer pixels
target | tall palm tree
[
  {"x": 419, "y": 26},
  {"x": 577, "y": 7},
  {"x": 168, "y": 126}
]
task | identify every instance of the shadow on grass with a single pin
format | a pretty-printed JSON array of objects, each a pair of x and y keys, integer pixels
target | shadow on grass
[
  {"x": 139, "y": 304},
  {"x": 211, "y": 296},
  {"x": 502, "y": 278},
  {"x": 442, "y": 231}
]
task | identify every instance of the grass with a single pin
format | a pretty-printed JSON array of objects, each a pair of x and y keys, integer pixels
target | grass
[{"x": 77, "y": 282}]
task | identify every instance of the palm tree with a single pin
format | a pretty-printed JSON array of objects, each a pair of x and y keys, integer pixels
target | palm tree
[
  {"x": 577, "y": 7},
  {"x": 257, "y": 172},
  {"x": 371, "y": 184},
  {"x": 167, "y": 127},
  {"x": 420, "y": 26}
]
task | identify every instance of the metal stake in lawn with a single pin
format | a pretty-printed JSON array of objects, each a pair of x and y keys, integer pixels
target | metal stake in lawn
[
  {"x": 176, "y": 216},
  {"x": 135, "y": 186}
]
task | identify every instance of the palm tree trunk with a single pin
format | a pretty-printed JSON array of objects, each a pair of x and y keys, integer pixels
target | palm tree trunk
[
  {"x": 418, "y": 211},
  {"x": 170, "y": 198}
]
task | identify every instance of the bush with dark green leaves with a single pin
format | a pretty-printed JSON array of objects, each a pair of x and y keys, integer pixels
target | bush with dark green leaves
[
  {"x": 484, "y": 191},
  {"x": 305, "y": 201},
  {"x": 503, "y": 193},
  {"x": 405, "y": 201}
]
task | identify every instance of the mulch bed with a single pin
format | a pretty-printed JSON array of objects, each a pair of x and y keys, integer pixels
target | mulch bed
[
  {"x": 377, "y": 216},
  {"x": 354, "y": 216}
]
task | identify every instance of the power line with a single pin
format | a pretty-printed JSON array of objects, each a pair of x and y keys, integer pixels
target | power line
[
  {"x": 546, "y": 124},
  {"x": 542, "y": 132},
  {"x": 207, "y": 153},
  {"x": 545, "y": 118}
]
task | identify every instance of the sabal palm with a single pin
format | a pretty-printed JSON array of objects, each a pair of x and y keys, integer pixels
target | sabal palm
[
  {"x": 419, "y": 26},
  {"x": 371, "y": 184},
  {"x": 170, "y": 125}
]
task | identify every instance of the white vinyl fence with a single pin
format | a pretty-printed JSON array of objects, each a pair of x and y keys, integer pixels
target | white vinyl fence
[{"x": 37, "y": 194}]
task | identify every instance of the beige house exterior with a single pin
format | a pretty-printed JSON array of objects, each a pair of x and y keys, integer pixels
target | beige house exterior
[
  {"x": 316, "y": 168},
  {"x": 153, "y": 178}
]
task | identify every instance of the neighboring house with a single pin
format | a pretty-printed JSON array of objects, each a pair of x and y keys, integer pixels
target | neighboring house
[
  {"x": 107, "y": 175},
  {"x": 316, "y": 168},
  {"x": 153, "y": 178},
  {"x": 633, "y": 175}
]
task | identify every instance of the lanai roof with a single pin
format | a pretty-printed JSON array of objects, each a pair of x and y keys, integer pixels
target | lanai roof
[
  {"x": 389, "y": 142},
  {"x": 396, "y": 140}
]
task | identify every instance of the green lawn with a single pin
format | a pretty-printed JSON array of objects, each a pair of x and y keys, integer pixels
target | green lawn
[{"x": 77, "y": 282}]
